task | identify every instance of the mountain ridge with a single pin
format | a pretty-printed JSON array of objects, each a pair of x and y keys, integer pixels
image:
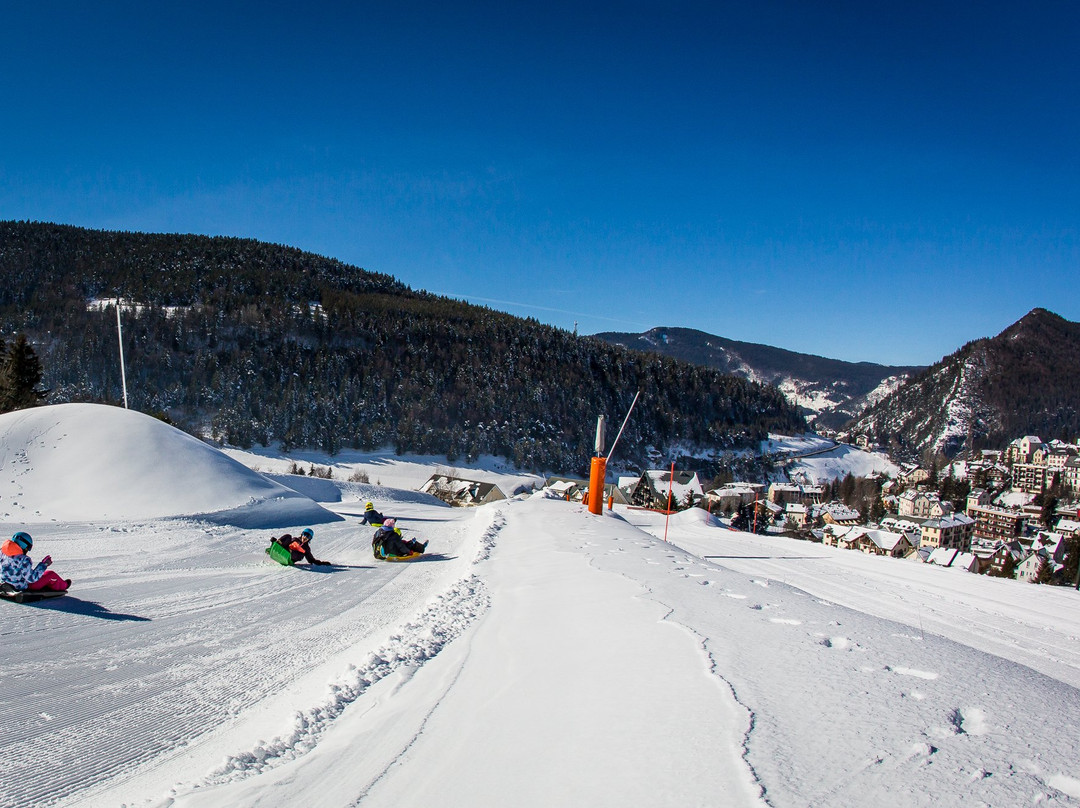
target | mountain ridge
[
  {"x": 1022, "y": 381},
  {"x": 247, "y": 342},
  {"x": 832, "y": 390}
]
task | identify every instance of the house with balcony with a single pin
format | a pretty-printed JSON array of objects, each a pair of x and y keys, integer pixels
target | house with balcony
[
  {"x": 995, "y": 524},
  {"x": 955, "y": 531}
]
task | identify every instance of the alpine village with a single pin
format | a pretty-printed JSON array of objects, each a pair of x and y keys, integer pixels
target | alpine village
[{"x": 972, "y": 464}]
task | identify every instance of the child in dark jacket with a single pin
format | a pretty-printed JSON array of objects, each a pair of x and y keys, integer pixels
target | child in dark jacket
[
  {"x": 300, "y": 547},
  {"x": 372, "y": 517},
  {"x": 389, "y": 542},
  {"x": 18, "y": 571}
]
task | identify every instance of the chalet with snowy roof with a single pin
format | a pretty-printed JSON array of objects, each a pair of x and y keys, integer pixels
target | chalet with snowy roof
[
  {"x": 766, "y": 512},
  {"x": 908, "y": 525},
  {"x": 953, "y": 559},
  {"x": 1004, "y": 558},
  {"x": 865, "y": 442},
  {"x": 654, "y": 486},
  {"x": 983, "y": 474},
  {"x": 460, "y": 492},
  {"x": 837, "y": 513},
  {"x": 942, "y": 556},
  {"x": 955, "y": 530},
  {"x": 574, "y": 489},
  {"x": 1068, "y": 528},
  {"x": 1032, "y": 567},
  {"x": 843, "y": 537},
  {"x": 1051, "y": 544},
  {"x": 729, "y": 498},
  {"x": 883, "y": 543},
  {"x": 1045, "y": 559},
  {"x": 911, "y": 474},
  {"x": 570, "y": 490},
  {"x": 796, "y": 514}
]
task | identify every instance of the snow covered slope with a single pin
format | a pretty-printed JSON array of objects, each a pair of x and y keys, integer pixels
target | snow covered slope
[
  {"x": 539, "y": 656},
  {"x": 90, "y": 462}
]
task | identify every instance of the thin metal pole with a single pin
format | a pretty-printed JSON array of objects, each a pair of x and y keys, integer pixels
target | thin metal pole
[
  {"x": 120, "y": 339},
  {"x": 624, "y": 420}
]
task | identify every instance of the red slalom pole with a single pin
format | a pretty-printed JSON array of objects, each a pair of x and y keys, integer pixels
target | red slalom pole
[{"x": 671, "y": 479}]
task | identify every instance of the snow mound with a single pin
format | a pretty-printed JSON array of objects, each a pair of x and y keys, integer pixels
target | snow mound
[
  {"x": 88, "y": 462},
  {"x": 695, "y": 516}
]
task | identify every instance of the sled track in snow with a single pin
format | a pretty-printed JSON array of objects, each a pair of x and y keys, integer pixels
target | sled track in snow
[{"x": 444, "y": 620}]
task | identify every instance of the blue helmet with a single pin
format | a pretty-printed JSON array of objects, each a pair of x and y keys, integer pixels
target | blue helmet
[
  {"x": 307, "y": 533},
  {"x": 23, "y": 540}
]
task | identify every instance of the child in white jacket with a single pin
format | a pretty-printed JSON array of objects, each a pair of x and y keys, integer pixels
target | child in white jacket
[{"x": 17, "y": 570}]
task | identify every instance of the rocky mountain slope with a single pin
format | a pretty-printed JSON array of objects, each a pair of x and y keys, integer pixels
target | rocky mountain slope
[
  {"x": 1024, "y": 381},
  {"x": 830, "y": 392}
]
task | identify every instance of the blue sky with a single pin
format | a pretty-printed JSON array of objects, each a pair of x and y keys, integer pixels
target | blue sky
[{"x": 864, "y": 181}]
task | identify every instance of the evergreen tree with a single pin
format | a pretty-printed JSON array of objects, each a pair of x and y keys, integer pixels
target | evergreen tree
[
  {"x": 877, "y": 510},
  {"x": 1045, "y": 575},
  {"x": 1048, "y": 510},
  {"x": 1070, "y": 571},
  {"x": 688, "y": 501},
  {"x": 846, "y": 491},
  {"x": 20, "y": 376}
]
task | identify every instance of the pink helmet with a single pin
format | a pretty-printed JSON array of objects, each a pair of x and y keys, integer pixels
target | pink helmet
[{"x": 388, "y": 523}]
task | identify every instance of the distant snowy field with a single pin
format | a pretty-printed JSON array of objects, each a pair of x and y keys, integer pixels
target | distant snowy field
[
  {"x": 818, "y": 460},
  {"x": 539, "y": 656}
]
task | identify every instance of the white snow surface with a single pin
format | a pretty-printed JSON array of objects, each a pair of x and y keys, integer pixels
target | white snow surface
[
  {"x": 812, "y": 459},
  {"x": 90, "y": 461},
  {"x": 538, "y": 656}
]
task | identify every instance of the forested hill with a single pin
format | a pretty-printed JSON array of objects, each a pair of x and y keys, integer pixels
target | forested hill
[
  {"x": 257, "y": 343},
  {"x": 1024, "y": 381}
]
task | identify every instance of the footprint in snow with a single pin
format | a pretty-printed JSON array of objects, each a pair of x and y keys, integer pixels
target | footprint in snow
[
  {"x": 1063, "y": 783},
  {"x": 840, "y": 643},
  {"x": 971, "y": 721},
  {"x": 921, "y": 750},
  {"x": 911, "y": 672}
]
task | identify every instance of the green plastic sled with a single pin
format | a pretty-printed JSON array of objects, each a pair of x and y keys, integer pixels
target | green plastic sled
[{"x": 282, "y": 555}]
